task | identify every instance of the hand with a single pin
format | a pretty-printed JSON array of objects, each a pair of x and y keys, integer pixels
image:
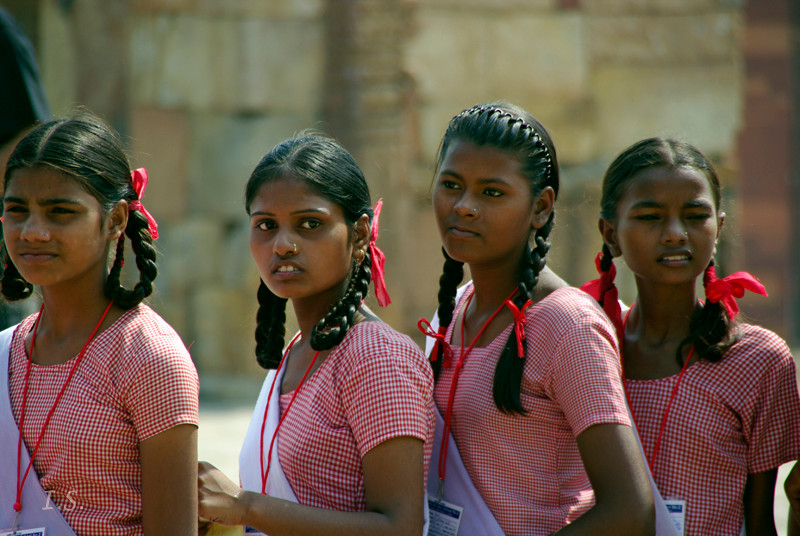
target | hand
[
  {"x": 792, "y": 488},
  {"x": 219, "y": 499}
]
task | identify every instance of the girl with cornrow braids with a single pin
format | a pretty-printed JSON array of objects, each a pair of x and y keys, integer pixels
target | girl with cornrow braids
[
  {"x": 714, "y": 399},
  {"x": 98, "y": 406},
  {"x": 534, "y": 437},
  {"x": 341, "y": 435}
]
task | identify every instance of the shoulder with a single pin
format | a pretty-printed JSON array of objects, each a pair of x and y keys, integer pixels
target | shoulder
[
  {"x": 759, "y": 346},
  {"x": 376, "y": 339},
  {"x": 567, "y": 307},
  {"x": 143, "y": 333}
]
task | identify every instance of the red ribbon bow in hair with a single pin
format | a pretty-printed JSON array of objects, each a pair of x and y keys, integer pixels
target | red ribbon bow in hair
[
  {"x": 728, "y": 289},
  {"x": 378, "y": 260},
  {"x": 447, "y": 352},
  {"x": 139, "y": 178},
  {"x": 519, "y": 323},
  {"x": 605, "y": 292}
]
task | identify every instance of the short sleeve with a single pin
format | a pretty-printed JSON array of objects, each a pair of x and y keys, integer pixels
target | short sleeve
[
  {"x": 163, "y": 386},
  {"x": 772, "y": 426},
  {"x": 387, "y": 391},
  {"x": 585, "y": 376}
]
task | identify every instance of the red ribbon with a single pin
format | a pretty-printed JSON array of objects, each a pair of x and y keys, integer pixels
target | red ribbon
[
  {"x": 378, "y": 260},
  {"x": 447, "y": 352},
  {"x": 519, "y": 323},
  {"x": 604, "y": 291},
  {"x": 139, "y": 178},
  {"x": 728, "y": 289}
]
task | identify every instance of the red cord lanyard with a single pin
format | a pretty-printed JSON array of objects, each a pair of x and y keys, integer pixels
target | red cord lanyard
[
  {"x": 76, "y": 362},
  {"x": 265, "y": 472},
  {"x": 459, "y": 364},
  {"x": 663, "y": 425}
]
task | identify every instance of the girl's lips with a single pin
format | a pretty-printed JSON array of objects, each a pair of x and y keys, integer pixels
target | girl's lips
[
  {"x": 286, "y": 271},
  {"x": 37, "y": 257},
  {"x": 460, "y": 232},
  {"x": 678, "y": 259}
]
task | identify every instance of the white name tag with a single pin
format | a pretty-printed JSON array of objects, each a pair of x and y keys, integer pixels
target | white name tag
[
  {"x": 24, "y": 532},
  {"x": 677, "y": 513},
  {"x": 445, "y": 517},
  {"x": 250, "y": 531}
]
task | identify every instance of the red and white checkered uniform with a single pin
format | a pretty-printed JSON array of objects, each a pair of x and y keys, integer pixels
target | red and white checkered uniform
[
  {"x": 374, "y": 386},
  {"x": 136, "y": 380},
  {"x": 527, "y": 468},
  {"x": 737, "y": 416}
]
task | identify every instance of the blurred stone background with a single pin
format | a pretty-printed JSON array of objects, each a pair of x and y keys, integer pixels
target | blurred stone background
[{"x": 201, "y": 89}]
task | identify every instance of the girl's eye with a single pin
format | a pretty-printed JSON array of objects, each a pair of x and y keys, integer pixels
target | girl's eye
[
  {"x": 265, "y": 225},
  {"x": 61, "y": 210},
  {"x": 14, "y": 208},
  {"x": 492, "y": 192},
  {"x": 646, "y": 217},
  {"x": 310, "y": 224},
  {"x": 449, "y": 185},
  {"x": 699, "y": 216}
]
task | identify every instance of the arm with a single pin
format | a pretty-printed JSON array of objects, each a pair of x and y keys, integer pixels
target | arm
[
  {"x": 623, "y": 500},
  {"x": 394, "y": 487},
  {"x": 169, "y": 482},
  {"x": 759, "y": 493},
  {"x": 792, "y": 488}
]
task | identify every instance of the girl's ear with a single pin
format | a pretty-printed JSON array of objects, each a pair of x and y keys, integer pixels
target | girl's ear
[
  {"x": 609, "y": 234},
  {"x": 543, "y": 207},
  {"x": 361, "y": 233},
  {"x": 117, "y": 221}
]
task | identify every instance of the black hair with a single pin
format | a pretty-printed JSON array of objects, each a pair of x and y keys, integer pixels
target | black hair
[
  {"x": 710, "y": 330},
  {"x": 328, "y": 169},
  {"x": 507, "y": 127},
  {"x": 88, "y": 151}
]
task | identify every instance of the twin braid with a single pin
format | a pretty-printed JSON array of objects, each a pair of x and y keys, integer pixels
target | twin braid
[
  {"x": 270, "y": 327},
  {"x": 710, "y": 330},
  {"x": 331, "y": 330},
  {"x": 14, "y": 286},
  {"x": 452, "y": 275},
  {"x": 142, "y": 245},
  {"x": 271, "y": 318},
  {"x": 509, "y": 370}
]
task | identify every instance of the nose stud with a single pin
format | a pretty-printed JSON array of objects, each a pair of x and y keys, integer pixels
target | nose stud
[{"x": 294, "y": 249}]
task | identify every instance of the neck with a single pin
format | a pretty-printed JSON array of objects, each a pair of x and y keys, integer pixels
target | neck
[
  {"x": 494, "y": 282},
  {"x": 68, "y": 310},
  {"x": 662, "y": 314},
  {"x": 309, "y": 311}
]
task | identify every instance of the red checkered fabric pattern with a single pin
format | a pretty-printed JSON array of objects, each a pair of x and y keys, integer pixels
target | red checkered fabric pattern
[
  {"x": 737, "y": 416},
  {"x": 374, "y": 386},
  {"x": 527, "y": 468},
  {"x": 136, "y": 380}
]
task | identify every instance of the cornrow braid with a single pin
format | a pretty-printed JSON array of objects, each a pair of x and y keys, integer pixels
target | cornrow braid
[
  {"x": 452, "y": 275},
  {"x": 710, "y": 331},
  {"x": 142, "y": 246},
  {"x": 270, "y": 327},
  {"x": 331, "y": 330}
]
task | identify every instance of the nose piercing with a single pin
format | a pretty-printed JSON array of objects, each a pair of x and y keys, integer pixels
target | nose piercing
[{"x": 294, "y": 249}]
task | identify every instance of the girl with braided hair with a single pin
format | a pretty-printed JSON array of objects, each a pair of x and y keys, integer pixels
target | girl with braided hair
[
  {"x": 341, "y": 434},
  {"x": 535, "y": 437},
  {"x": 98, "y": 403},
  {"x": 714, "y": 399}
]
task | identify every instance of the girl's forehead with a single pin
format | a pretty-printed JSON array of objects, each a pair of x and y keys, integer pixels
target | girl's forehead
[
  {"x": 664, "y": 182},
  {"x": 41, "y": 181}
]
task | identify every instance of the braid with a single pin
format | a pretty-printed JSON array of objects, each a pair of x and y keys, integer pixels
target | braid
[
  {"x": 509, "y": 369},
  {"x": 142, "y": 245},
  {"x": 270, "y": 327},
  {"x": 331, "y": 330},
  {"x": 609, "y": 295},
  {"x": 14, "y": 286},
  {"x": 710, "y": 330},
  {"x": 452, "y": 275}
]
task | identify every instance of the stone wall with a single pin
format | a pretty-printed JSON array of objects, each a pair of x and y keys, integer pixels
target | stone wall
[{"x": 211, "y": 85}]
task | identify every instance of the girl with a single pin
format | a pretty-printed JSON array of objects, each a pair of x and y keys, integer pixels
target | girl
[
  {"x": 715, "y": 400},
  {"x": 347, "y": 409},
  {"x": 102, "y": 422},
  {"x": 527, "y": 368}
]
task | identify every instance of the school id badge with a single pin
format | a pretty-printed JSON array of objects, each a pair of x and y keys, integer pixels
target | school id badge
[
  {"x": 445, "y": 517},
  {"x": 677, "y": 514},
  {"x": 24, "y": 532}
]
